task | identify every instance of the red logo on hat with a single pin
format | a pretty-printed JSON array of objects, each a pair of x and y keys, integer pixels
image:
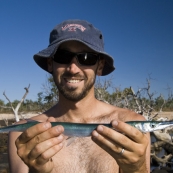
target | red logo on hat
[{"x": 73, "y": 27}]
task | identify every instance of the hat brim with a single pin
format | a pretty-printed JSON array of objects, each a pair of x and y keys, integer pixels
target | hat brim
[{"x": 41, "y": 57}]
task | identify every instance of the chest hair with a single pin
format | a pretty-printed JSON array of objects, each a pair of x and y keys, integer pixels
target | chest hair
[{"x": 84, "y": 156}]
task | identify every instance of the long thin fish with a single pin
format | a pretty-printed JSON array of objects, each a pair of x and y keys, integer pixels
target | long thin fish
[{"x": 83, "y": 130}]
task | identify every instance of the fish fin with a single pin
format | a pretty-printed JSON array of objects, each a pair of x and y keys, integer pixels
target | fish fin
[
  {"x": 70, "y": 140},
  {"x": 142, "y": 131}
]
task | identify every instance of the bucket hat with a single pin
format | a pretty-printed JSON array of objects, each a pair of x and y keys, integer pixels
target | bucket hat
[{"x": 78, "y": 30}]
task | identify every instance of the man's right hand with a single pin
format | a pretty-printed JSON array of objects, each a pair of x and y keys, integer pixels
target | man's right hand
[{"x": 38, "y": 144}]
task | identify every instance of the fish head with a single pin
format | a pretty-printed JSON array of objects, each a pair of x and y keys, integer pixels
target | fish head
[
  {"x": 153, "y": 126},
  {"x": 148, "y": 126}
]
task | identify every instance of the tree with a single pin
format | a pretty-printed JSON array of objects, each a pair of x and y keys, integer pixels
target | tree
[
  {"x": 18, "y": 104},
  {"x": 49, "y": 95},
  {"x": 1, "y": 102},
  {"x": 2, "y": 105}
]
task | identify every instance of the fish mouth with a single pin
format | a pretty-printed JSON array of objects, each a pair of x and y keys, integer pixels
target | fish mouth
[{"x": 163, "y": 125}]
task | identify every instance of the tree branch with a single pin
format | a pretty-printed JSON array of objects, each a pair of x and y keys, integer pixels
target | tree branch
[
  {"x": 9, "y": 101},
  {"x": 15, "y": 111},
  {"x": 164, "y": 160},
  {"x": 19, "y": 104}
]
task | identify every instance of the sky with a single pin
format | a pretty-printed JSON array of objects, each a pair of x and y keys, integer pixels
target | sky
[{"x": 137, "y": 33}]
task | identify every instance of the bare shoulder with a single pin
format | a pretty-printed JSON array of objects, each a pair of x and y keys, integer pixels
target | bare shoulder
[
  {"x": 128, "y": 115},
  {"x": 121, "y": 113}
]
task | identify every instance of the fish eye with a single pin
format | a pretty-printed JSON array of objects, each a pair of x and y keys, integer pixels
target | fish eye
[{"x": 153, "y": 126}]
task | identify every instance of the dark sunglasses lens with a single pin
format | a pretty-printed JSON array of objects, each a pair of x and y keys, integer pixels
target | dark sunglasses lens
[
  {"x": 63, "y": 57},
  {"x": 87, "y": 58}
]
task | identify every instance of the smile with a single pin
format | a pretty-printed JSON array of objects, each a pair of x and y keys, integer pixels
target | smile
[{"x": 73, "y": 80}]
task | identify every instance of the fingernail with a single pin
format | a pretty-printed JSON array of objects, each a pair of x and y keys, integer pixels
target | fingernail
[
  {"x": 47, "y": 125},
  {"x": 95, "y": 134},
  {"x": 60, "y": 137},
  {"x": 100, "y": 128},
  {"x": 59, "y": 129},
  {"x": 115, "y": 123}
]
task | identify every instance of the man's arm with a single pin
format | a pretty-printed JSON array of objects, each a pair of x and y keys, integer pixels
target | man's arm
[{"x": 15, "y": 162}]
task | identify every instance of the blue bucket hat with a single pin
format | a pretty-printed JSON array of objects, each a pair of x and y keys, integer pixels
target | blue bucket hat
[{"x": 78, "y": 30}]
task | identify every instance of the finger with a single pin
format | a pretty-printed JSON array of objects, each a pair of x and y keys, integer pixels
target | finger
[
  {"x": 48, "y": 154},
  {"x": 42, "y": 148},
  {"x": 116, "y": 151},
  {"x": 116, "y": 138},
  {"x": 50, "y": 133},
  {"x": 122, "y": 158},
  {"x": 51, "y": 119},
  {"x": 47, "y": 167},
  {"x": 130, "y": 131},
  {"x": 108, "y": 146},
  {"x": 32, "y": 132}
]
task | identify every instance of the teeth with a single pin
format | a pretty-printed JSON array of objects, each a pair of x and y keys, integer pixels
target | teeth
[{"x": 72, "y": 81}]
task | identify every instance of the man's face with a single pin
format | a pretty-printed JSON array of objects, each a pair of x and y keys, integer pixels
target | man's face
[{"x": 74, "y": 81}]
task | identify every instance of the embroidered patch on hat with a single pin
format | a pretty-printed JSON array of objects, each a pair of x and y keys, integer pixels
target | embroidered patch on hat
[{"x": 73, "y": 27}]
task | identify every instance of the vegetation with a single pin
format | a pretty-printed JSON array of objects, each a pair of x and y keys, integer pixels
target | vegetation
[{"x": 142, "y": 101}]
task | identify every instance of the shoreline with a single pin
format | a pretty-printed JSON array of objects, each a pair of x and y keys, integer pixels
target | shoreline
[{"x": 8, "y": 116}]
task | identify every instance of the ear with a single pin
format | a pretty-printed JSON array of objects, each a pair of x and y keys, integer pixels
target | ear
[
  {"x": 100, "y": 67},
  {"x": 50, "y": 64}
]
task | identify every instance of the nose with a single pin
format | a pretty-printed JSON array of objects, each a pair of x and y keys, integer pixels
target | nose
[{"x": 73, "y": 66}]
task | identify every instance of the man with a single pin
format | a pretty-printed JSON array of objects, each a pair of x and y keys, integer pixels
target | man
[{"x": 74, "y": 57}]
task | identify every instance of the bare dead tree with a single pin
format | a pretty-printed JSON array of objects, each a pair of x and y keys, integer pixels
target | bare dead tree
[
  {"x": 146, "y": 108},
  {"x": 163, "y": 161},
  {"x": 143, "y": 106},
  {"x": 15, "y": 110}
]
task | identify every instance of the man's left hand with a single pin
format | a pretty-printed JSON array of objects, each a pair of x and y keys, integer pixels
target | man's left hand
[{"x": 126, "y": 144}]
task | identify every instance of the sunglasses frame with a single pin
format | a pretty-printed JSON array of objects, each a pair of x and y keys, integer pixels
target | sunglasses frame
[{"x": 76, "y": 55}]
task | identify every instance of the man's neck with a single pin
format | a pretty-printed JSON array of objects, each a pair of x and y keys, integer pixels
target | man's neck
[{"x": 82, "y": 110}]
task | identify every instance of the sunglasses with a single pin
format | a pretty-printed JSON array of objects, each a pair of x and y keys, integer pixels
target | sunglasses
[{"x": 83, "y": 58}]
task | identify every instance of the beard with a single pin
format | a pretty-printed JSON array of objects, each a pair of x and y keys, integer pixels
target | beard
[{"x": 71, "y": 93}]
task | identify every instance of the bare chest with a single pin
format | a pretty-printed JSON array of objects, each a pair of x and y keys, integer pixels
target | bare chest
[{"x": 84, "y": 156}]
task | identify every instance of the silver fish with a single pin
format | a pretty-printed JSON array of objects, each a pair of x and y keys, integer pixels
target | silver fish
[
  {"x": 150, "y": 126},
  {"x": 83, "y": 129}
]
